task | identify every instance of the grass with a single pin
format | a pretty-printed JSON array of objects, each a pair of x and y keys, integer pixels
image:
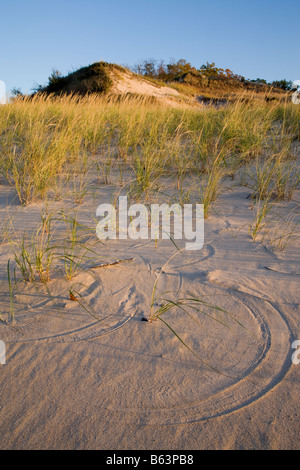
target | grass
[
  {"x": 11, "y": 292},
  {"x": 45, "y": 141},
  {"x": 271, "y": 228},
  {"x": 261, "y": 210},
  {"x": 59, "y": 244},
  {"x": 77, "y": 249},
  {"x": 274, "y": 177},
  {"x": 283, "y": 232},
  {"x": 190, "y": 306},
  {"x": 212, "y": 187}
]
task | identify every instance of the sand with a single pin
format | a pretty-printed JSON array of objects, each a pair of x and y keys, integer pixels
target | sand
[
  {"x": 73, "y": 382},
  {"x": 130, "y": 83}
]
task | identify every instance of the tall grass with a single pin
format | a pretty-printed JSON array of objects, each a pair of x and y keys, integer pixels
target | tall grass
[
  {"x": 44, "y": 140},
  {"x": 59, "y": 244}
]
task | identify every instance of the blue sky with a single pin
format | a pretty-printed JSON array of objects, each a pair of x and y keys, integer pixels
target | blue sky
[{"x": 254, "y": 38}]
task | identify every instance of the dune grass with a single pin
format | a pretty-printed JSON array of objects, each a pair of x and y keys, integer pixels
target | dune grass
[
  {"x": 53, "y": 148},
  {"x": 44, "y": 140},
  {"x": 59, "y": 245}
]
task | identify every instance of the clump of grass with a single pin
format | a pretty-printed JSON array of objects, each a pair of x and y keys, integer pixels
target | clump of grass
[
  {"x": 35, "y": 147},
  {"x": 78, "y": 181},
  {"x": 23, "y": 259},
  {"x": 274, "y": 230},
  {"x": 283, "y": 232},
  {"x": 211, "y": 189},
  {"x": 212, "y": 186},
  {"x": 274, "y": 178},
  {"x": 160, "y": 305},
  {"x": 261, "y": 209},
  {"x": 6, "y": 229},
  {"x": 78, "y": 249},
  {"x": 12, "y": 288},
  {"x": 70, "y": 257},
  {"x": 34, "y": 256},
  {"x": 38, "y": 256}
]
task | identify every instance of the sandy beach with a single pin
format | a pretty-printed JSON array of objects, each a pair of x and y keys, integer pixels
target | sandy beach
[{"x": 74, "y": 381}]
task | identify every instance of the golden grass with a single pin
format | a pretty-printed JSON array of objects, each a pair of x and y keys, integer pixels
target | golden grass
[{"x": 45, "y": 141}]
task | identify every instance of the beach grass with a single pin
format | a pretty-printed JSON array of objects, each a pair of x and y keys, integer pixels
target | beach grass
[{"x": 46, "y": 140}]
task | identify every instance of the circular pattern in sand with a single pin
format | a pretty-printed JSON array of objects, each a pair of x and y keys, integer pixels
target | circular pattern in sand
[
  {"x": 243, "y": 349},
  {"x": 166, "y": 384}
]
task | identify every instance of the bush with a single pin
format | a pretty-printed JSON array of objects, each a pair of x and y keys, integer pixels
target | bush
[{"x": 86, "y": 80}]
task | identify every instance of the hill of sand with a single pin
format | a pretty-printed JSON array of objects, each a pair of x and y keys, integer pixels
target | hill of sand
[
  {"x": 127, "y": 82},
  {"x": 117, "y": 81}
]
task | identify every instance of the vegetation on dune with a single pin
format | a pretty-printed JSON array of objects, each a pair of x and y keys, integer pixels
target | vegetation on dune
[
  {"x": 206, "y": 76},
  {"x": 52, "y": 145},
  {"x": 208, "y": 79},
  {"x": 94, "y": 78},
  {"x": 47, "y": 143}
]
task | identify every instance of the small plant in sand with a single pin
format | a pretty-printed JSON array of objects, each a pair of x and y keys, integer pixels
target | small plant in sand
[
  {"x": 212, "y": 186},
  {"x": 261, "y": 209},
  {"x": 71, "y": 257},
  {"x": 12, "y": 287},
  {"x": 104, "y": 163},
  {"x": 275, "y": 231},
  {"x": 273, "y": 178},
  {"x": 12, "y": 284},
  {"x": 6, "y": 229},
  {"x": 23, "y": 259},
  {"x": 37, "y": 256},
  {"x": 34, "y": 256},
  {"x": 283, "y": 232},
  {"x": 77, "y": 250},
  {"x": 286, "y": 179},
  {"x": 190, "y": 306}
]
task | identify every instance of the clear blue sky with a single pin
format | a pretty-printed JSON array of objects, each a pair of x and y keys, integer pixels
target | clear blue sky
[{"x": 258, "y": 38}]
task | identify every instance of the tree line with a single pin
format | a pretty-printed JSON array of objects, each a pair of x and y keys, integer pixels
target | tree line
[{"x": 168, "y": 72}]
